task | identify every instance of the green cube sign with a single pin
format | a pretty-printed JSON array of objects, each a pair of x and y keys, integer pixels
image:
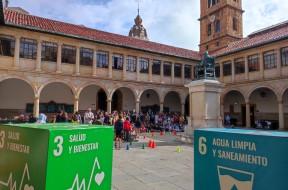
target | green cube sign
[
  {"x": 56, "y": 157},
  {"x": 237, "y": 159}
]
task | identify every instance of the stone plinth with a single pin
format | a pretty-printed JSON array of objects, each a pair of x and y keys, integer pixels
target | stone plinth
[{"x": 205, "y": 104}]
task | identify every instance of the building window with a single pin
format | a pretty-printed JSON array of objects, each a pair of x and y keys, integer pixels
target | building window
[
  {"x": 167, "y": 69},
  {"x": 209, "y": 29},
  {"x": 7, "y": 46},
  {"x": 239, "y": 65},
  {"x": 117, "y": 62},
  {"x": 144, "y": 65},
  {"x": 177, "y": 70},
  {"x": 212, "y": 3},
  {"x": 217, "y": 26},
  {"x": 28, "y": 48},
  {"x": 49, "y": 51},
  {"x": 131, "y": 64},
  {"x": 86, "y": 56},
  {"x": 253, "y": 63},
  {"x": 187, "y": 71},
  {"x": 156, "y": 67},
  {"x": 68, "y": 54},
  {"x": 284, "y": 56},
  {"x": 269, "y": 60},
  {"x": 227, "y": 68},
  {"x": 217, "y": 70},
  {"x": 102, "y": 59},
  {"x": 235, "y": 24}
]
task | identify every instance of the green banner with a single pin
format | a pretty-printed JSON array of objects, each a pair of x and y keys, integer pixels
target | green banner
[{"x": 56, "y": 157}]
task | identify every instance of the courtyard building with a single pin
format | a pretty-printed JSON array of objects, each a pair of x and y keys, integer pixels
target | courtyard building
[{"x": 47, "y": 65}]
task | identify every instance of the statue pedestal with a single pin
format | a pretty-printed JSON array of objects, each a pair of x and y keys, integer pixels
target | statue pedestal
[{"x": 205, "y": 104}]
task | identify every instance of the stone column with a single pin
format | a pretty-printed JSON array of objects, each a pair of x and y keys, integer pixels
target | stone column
[
  {"x": 110, "y": 69},
  {"x": 39, "y": 52},
  {"x": 183, "y": 108},
  {"x": 109, "y": 105},
  {"x": 162, "y": 72},
  {"x": 281, "y": 115},
  {"x": 192, "y": 72},
  {"x": 94, "y": 66},
  {"x": 124, "y": 67},
  {"x": 150, "y": 76},
  {"x": 233, "y": 70},
  {"x": 278, "y": 58},
  {"x": 183, "y": 73},
  {"x": 172, "y": 73},
  {"x": 161, "y": 107},
  {"x": 59, "y": 58},
  {"x": 77, "y": 65},
  {"x": 248, "y": 118},
  {"x": 261, "y": 64},
  {"x": 206, "y": 111},
  {"x": 76, "y": 104},
  {"x": 246, "y": 68},
  {"x": 17, "y": 52},
  {"x": 137, "y": 106},
  {"x": 138, "y": 69},
  {"x": 221, "y": 72},
  {"x": 36, "y": 107}
]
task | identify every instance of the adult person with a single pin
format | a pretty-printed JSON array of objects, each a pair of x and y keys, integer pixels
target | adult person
[
  {"x": 127, "y": 129},
  {"x": 42, "y": 118},
  {"x": 76, "y": 118},
  {"x": 118, "y": 127},
  {"x": 88, "y": 116}
]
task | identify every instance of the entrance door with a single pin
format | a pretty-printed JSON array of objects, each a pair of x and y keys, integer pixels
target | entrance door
[{"x": 252, "y": 114}]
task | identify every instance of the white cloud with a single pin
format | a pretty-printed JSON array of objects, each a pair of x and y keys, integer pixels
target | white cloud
[{"x": 167, "y": 21}]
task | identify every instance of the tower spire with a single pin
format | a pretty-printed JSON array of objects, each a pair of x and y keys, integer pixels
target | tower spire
[{"x": 138, "y": 7}]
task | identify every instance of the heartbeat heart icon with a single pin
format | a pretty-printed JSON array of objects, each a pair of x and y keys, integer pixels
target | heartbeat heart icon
[{"x": 99, "y": 178}]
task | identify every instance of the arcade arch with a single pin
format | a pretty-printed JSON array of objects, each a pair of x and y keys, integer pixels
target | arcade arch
[{"x": 16, "y": 97}]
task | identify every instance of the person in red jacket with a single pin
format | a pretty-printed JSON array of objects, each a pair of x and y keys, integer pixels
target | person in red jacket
[{"x": 127, "y": 129}]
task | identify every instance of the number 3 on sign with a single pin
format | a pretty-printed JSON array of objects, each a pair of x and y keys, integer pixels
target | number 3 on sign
[
  {"x": 2, "y": 139},
  {"x": 59, "y": 142},
  {"x": 202, "y": 145}
]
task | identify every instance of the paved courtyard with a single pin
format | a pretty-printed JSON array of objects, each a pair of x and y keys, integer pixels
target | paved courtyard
[{"x": 157, "y": 169}]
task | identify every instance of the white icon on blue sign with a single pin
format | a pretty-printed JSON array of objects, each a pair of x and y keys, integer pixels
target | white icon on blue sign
[{"x": 232, "y": 179}]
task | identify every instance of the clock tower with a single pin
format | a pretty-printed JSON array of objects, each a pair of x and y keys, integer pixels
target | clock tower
[{"x": 220, "y": 23}]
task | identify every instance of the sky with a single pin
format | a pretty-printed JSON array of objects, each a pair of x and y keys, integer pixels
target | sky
[{"x": 171, "y": 22}]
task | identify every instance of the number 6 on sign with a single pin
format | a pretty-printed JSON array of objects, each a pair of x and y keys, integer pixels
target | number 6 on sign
[
  {"x": 2, "y": 139},
  {"x": 202, "y": 145},
  {"x": 59, "y": 141}
]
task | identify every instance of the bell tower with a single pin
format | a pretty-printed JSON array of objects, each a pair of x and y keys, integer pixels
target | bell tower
[{"x": 220, "y": 23}]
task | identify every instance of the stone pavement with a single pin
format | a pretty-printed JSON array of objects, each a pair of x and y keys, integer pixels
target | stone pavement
[{"x": 154, "y": 169}]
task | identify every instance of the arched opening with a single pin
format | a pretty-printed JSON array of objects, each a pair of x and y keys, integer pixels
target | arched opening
[
  {"x": 150, "y": 101},
  {"x": 123, "y": 99},
  {"x": 187, "y": 106},
  {"x": 285, "y": 108},
  {"x": 16, "y": 98},
  {"x": 55, "y": 97},
  {"x": 172, "y": 103},
  {"x": 101, "y": 100},
  {"x": 264, "y": 108},
  {"x": 235, "y": 108},
  {"x": 93, "y": 97}
]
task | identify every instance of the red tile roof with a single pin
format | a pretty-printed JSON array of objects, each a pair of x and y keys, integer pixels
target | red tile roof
[
  {"x": 258, "y": 38},
  {"x": 14, "y": 18}
]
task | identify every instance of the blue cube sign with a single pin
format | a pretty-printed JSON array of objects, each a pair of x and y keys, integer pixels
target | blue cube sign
[{"x": 236, "y": 159}]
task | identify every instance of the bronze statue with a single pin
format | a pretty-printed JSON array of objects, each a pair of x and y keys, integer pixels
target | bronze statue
[{"x": 206, "y": 68}]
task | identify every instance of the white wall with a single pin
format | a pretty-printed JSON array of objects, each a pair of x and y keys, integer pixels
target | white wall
[
  {"x": 129, "y": 102},
  {"x": 173, "y": 102},
  {"x": 267, "y": 103},
  {"x": 233, "y": 98},
  {"x": 88, "y": 97},
  {"x": 15, "y": 94},
  {"x": 57, "y": 92},
  {"x": 151, "y": 100}
]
